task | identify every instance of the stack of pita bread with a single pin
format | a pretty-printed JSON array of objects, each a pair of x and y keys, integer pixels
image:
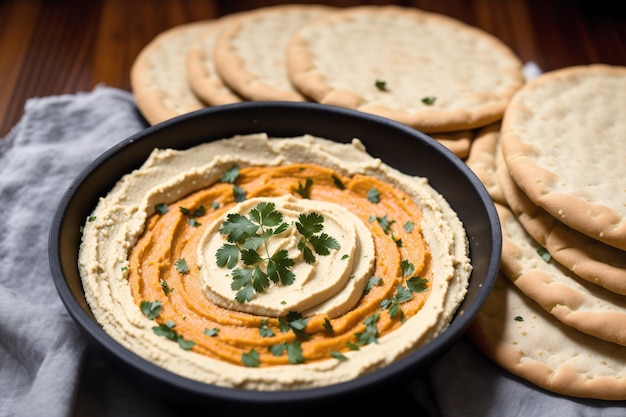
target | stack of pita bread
[
  {"x": 556, "y": 168},
  {"x": 426, "y": 70},
  {"x": 551, "y": 153}
]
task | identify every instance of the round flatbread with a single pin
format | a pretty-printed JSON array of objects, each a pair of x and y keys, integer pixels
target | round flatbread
[
  {"x": 457, "y": 142},
  {"x": 157, "y": 76},
  {"x": 200, "y": 68},
  {"x": 425, "y": 70},
  {"x": 563, "y": 139},
  {"x": 588, "y": 258},
  {"x": 482, "y": 160},
  {"x": 518, "y": 335},
  {"x": 249, "y": 52},
  {"x": 572, "y": 300}
]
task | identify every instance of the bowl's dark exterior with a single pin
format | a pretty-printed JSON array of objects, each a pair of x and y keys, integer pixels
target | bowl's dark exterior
[{"x": 399, "y": 146}]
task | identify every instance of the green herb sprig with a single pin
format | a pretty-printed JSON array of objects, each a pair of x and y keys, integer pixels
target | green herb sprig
[{"x": 248, "y": 239}]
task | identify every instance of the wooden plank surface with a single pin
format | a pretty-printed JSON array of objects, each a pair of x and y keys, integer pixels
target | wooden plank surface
[{"x": 50, "y": 47}]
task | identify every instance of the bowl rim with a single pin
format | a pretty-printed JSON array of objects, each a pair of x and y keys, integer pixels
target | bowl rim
[{"x": 397, "y": 369}]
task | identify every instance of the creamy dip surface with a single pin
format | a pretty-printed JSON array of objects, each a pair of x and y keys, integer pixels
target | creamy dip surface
[{"x": 273, "y": 264}]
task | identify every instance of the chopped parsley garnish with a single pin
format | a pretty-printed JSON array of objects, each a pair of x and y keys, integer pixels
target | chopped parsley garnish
[
  {"x": 545, "y": 255},
  {"x": 250, "y": 359},
  {"x": 264, "y": 329},
  {"x": 384, "y": 222},
  {"x": 338, "y": 355},
  {"x": 151, "y": 309},
  {"x": 294, "y": 351},
  {"x": 381, "y": 85},
  {"x": 230, "y": 176},
  {"x": 519, "y": 318},
  {"x": 296, "y": 323},
  {"x": 167, "y": 330},
  {"x": 407, "y": 268},
  {"x": 370, "y": 334},
  {"x": 161, "y": 208},
  {"x": 305, "y": 190},
  {"x": 199, "y": 212},
  {"x": 91, "y": 219},
  {"x": 239, "y": 194},
  {"x": 211, "y": 332},
  {"x": 165, "y": 287},
  {"x": 181, "y": 266},
  {"x": 393, "y": 303},
  {"x": 328, "y": 326},
  {"x": 417, "y": 284},
  {"x": 409, "y": 226},
  {"x": 338, "y": 183},
  {"x": 373, "y": 195},
  {"x": 429, "y": 100},
  {"x": 371, "y": 282}
]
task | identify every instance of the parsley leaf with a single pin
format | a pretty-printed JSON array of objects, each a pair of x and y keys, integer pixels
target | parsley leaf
[
  {"x": 417, "y": 284},
  {"x": 181, "y": 266},
  {"x": 370, "y": 334},
  {"x": 545, "y": 255},
  {"x": 308, "y": 225},
  {"x": 161, "y": 208},
  {"x": 296, "y": 323},
  {"x": 227, "y": 255},
  {"x": 211, "y": 332},
  {"x": 185, "y": 344},
  {"x": 373, "y": 195},
  {"x": 407, "y": 268},
  {"x": 239, "y": 194},
  {"x": 338, "y": 355},
  {"x": 429, "y": 100},
  {"x": 199, "y": 212},
  {"x": 338, "y": 183},
  {"x": 251, "y": 359},
  {"x": 230, "y": 175},
  {"x": 384, "y": 223},
  {"x": 328, "y": 326},
  {"x": 409, "y": 226},
  {"x": 305, "y": 190},
  {"x": 151, "y": 309},
  {"x": 370, "y": 283},
  {"x": 165, "y": 287},
  {"x": 380, "y": 85},
  {"x": 264, "y": 329}
]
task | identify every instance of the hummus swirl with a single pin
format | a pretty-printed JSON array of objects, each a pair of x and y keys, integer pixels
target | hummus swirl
[
  {"x": 153, "y": 280},
  {"x": 331, "y": 285}
]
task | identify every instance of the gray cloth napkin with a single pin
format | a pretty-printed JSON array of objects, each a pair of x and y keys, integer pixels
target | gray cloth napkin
[{"x": 46, "y": 367}]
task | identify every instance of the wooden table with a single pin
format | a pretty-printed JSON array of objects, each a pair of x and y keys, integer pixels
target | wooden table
[{"x": 62, "y": 46}]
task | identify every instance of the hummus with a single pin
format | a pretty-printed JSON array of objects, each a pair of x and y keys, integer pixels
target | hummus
[{"x": 273, "y": 264}]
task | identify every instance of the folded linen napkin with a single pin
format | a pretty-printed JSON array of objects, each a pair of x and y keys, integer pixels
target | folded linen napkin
[{"x": 47, "y": 369}]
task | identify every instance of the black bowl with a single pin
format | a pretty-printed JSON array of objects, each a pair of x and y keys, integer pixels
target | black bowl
[{"x": 397, "y": 145}]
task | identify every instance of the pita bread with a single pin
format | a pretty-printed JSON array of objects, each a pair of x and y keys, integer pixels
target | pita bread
[
  {"x": 157, "y": 76},
  {"x": 563, "y": 141},
  {"x": 588, "y": 258},
  {"x": 518, "y": 335},
  {"x": 404, "y": 64},
  {"x": 570, "y": 299},
  {"x": 482, "y": 160},
  {"x": 249, "y": 53}
]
